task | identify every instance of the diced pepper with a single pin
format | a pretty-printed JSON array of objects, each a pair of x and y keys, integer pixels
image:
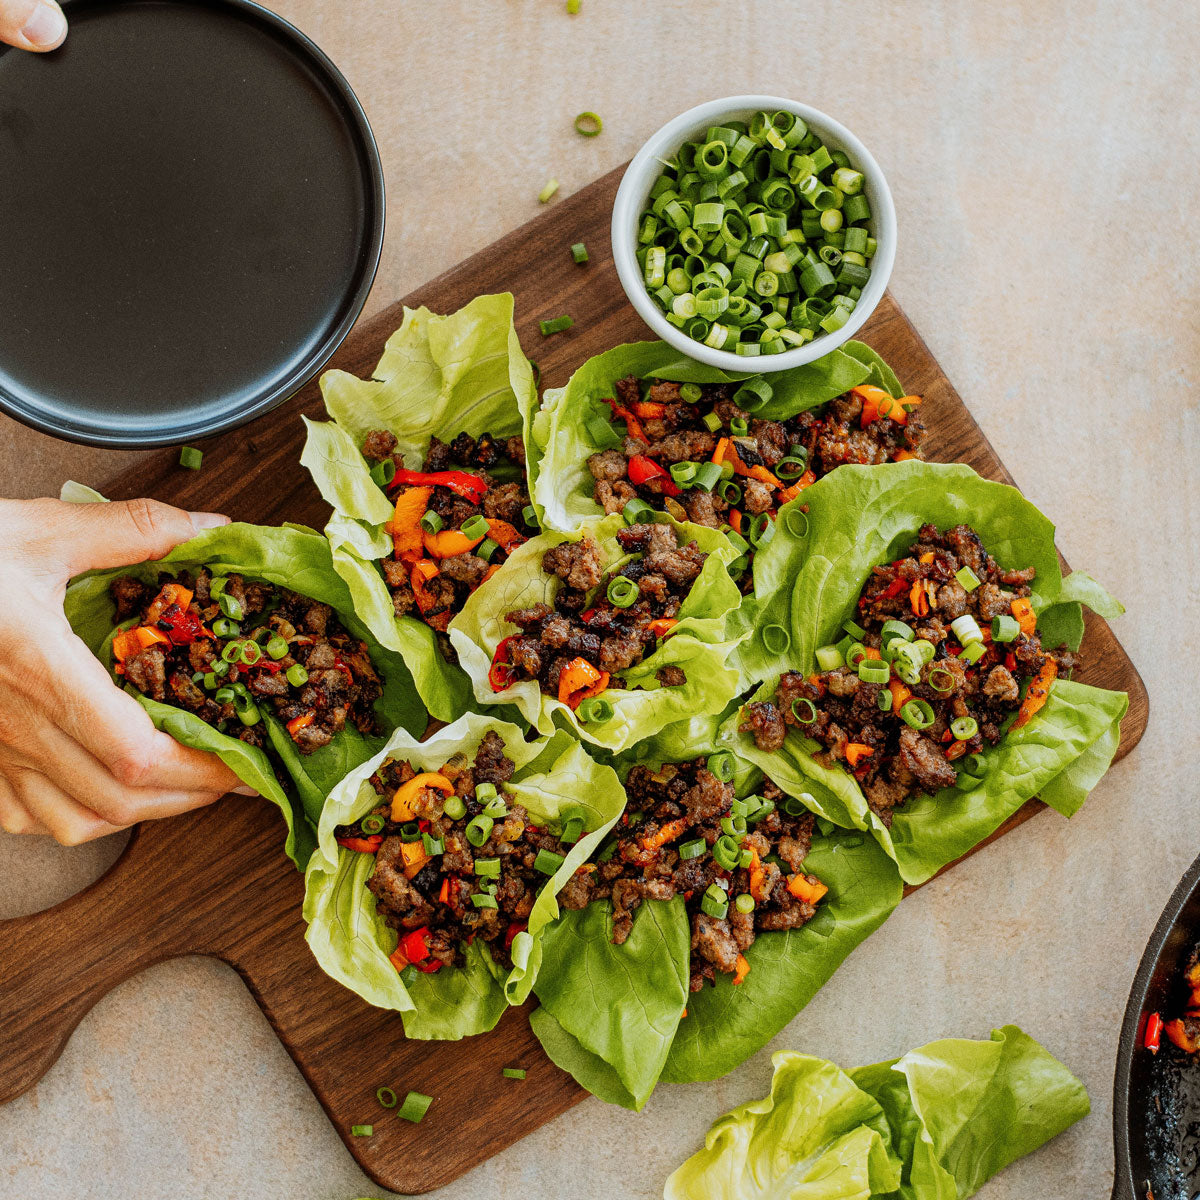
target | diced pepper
[
  {"x": 901, "y": 694},
  {"x": 449, "y": 542},
  {"x": 790, "y": 493},
  {"x": 806, "y": 887},
  {"x": 876, "y": 403},
  {"x": 719, "y": 453},
  {"x": 402, "y": 809},
  {"x": 665, "y": 833},
  {"x": 926, "y": 558},
  {"x": 510, "y": 934},
  {"x": 1037, "y": 694},
  {"x": 367, "y": 845},
  {"x": 758, "y": 877},
  {"x": 490, "y": 571},
  {"x": 644, "y": 470},
  {"x": 1179, "y": 1034},
  {"x": 1154, "y": 1028},
  {"x": 579, "y": 680},
  {"x": 894, "y": 588},
  {"x": 956, "y": 751},
  {"x": 414, "y": 856},
  {"x": 461, "y": 483},
  {"x": 741, "y": 970},
  {"x": 397, "y": 959},
  {"x": 303, "y": 721},
  {"x": 171, "y": 593},
  {"x": 918, "y": 599},
  {"x": 1022, "y": 609},
  {"x": 415, "y": 945},
  {"x": 735, "y": 520},
  {"x": 649, "y": 410},
  {"x": 405, "y": 527},
  {"x": 504, "y": 535},
  {"x": 632, "y": 424},
  {"x": 500, "y": 672},
  {"x": 422, "y": 572},
  {"x": 856, "y": 751},
  {"x": 661, "y": 626},
  {"x": 444, "y": 891}
]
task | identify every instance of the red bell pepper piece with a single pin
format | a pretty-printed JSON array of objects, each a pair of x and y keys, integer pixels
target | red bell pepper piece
[
  {"x": 428, "y": 967},
  {"x": 1154, "y": 1028},
  {"x": 461, "y": 483},
  {"x": 513, "y": 929},
  {"x": 634, "y": 426},
  {"x": 367, "y": 845},
  {"x": 500, "y": 672},
  {"x": 415, "y": 945},
  {"x": 181, "y": 625},
  {"x": 643, "y": 470}
]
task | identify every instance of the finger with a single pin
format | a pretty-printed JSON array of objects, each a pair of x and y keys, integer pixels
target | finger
[
  {"x": 84, "y": 778},
  {"x": 79, "y": 537},
  {"x": 66, "y": 820},
  {"x": 113, "y": 727},
  {"x": 14, "y": 816},
  {"x": 32, "y": 24}
]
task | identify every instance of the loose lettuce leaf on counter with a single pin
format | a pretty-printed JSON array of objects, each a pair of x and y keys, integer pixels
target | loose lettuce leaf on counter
[
  {"x": 439, "y": 375},
  {"x": 698, "y": 644},
  {"x": 351, "y": 940},
  {"x": 808, "y": 585},
  {"x": 558, "y": 442},
  {"x": 291, "y": 557},
  {"x": 933, "y": 1125}
]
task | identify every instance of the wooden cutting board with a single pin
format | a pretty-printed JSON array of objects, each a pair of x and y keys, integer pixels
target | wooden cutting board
[{"x": 216, "y": 882}]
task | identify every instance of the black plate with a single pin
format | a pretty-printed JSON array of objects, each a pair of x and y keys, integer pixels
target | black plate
[
  {"x": 1156, "y": 1097},
  {"x": 191, "y": 202}
]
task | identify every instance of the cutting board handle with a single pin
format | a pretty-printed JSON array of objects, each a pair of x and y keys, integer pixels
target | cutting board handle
[{"x": 56, "y": 964}]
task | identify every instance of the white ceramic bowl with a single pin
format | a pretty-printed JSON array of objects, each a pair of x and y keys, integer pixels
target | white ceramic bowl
[{"x": 646, "y": 167}]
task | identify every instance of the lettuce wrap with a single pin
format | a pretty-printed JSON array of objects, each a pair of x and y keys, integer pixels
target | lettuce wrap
[
  {"x": 559, "y": 442},
  {"x": 438, "y": 376},
  {"x": 697, "y": 644},
  {"x": 935, "y": 1124},
  {"x": 351, "y": 940},
  {"x": 612, "y": 1015},
  {"x": 291, "y": 557},
  {"x": 807, "y": 581}
]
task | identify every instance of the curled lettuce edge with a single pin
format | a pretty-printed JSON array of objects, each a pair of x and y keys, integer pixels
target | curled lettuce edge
[
  {"x": 698, "y": 643},
  {"x": 438, "y": 375},
  {"x": 291, "y": 557},
  {"x": 858, "y": 517},
  {"x": 352, "y": 942},
  {"x": 558, "y": 444},
  {"x": 935, "y": 1124}
]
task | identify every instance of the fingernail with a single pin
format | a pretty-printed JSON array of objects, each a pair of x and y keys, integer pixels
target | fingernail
[
  {"x": 245, "y": 790},
  {"x": 203, "y": 520},
  {"x": 46, "y": 27}
]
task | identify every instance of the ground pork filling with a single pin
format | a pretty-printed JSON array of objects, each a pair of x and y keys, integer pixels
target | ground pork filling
[
  {"x": 455, "y": 859},
  {"x": 655, "y": 425},
  {"x": 737, "y": 863},
  {"x": 230, "y": 649},
  {"x": 952, "y": 687},
  {"x": 435, "y": 567},
  {"x": 601, "y": 623}
]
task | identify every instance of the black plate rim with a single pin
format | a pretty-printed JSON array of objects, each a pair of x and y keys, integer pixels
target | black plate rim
[
  {"x": 1124, "y": 1184},
  {"x": 309, "y": 366}
]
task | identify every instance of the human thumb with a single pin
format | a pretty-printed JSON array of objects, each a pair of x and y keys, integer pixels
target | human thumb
[{"x": 32, "y": 24}]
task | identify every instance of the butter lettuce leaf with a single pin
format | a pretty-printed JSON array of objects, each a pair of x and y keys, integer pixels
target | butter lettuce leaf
[
  {"x": 438, "y": 376},
  {"x": 291, "y": 557},
  {"x": 697, "y": 644},
  {"x": 351, "y": 940}
]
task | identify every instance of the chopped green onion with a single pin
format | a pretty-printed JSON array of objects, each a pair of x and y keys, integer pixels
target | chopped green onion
[
  {"x": 484, "y": 900},
  {"x": 362, "y": 1130},
  {"x": 730, "y": 492},
  {"x": 556, "y": 325},
  {"x": 487, "y": 868},
  {"x": 722, "y": 765},
  {"x": 896, "y": 629},
  {"x": 415, "y": 1106},
  {"x": 297, "y": 675},
  {"x": 454, "y": 808},
  {"x": 496, "y": 808},
  {"x": 479, "y": 829},
  {"x": 622, "y": 591},
  {"x": 637, "y": 512},
  {"x": 433, "y": 846},
  {"x": 973, "y": 652},
  {"x": 744, "y": 903},
  {"x": 513, "y": 1073},
  {"x": 372, "y": 824},
  {"x": 386, "y": 1097},
  {"x": 485, "y": 792},
  {"x": 941, "y": 679},
  {"x": 486, "y": 549},
  {"x": 683, "y": 473},
  {"x": 707, "y": 476},
  {"x": 804, "y": 710},
  {"x": 761, "y": 531},
  {"x": 1005, "y": 629},
  {"x": 871, "y": 670},
  {"x": 829, "y": 658},
  {"x": 918, "y": 714},
  {"x": 231, "y": 606},
  {"x": 595, "y": 710},
  {"x": 966, "y": 629},
  {"x": 588, "y": 124},
  {"x": 191, "y": 458},
  {"x": 712, "y": 422},
  {"x": 883, "y": 700},
  {"x": 754, "y": 394},
  {"x": 223, "y": 627},
  {"x": 475, "y": 527},
  {"x": 964, "y": 728},
  {"x": 431, "y": 522},
  {"x": 277, "y": 647},
  {"x": 776, "y": 639},
  {"x": 855, "y": 630},
  {"x": 550, "y": 188},
  {"x": 715, "y": 902},
  {"x": 573, "y": 821},
  {"x": 250, "y": 653},
  {"x": 693, "y": 849},
  {"x": 796, "y": 521},
  {"x": 967, "y": 578},
  {"x": 791, "y": 467},
  {"x": 547, "y": 862}
]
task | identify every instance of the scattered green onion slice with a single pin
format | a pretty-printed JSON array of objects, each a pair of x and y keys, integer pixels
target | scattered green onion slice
[
  {"x": 484, "y": 900},
  {"x": 362, "y": 1130},
  {"x": 715, "y": 902},
  {"x": 191, "y": 458},
  {"x": 871, "y": 670},
  {"x": 297, "y": 675},
  {"x": 415, "y": 1106},
  {"x": 829, "y": 658},
  {"x": 637, "y": 512},
  {"x": 796, "y": 521},
  {"x": 744, "y": 903},
  {"x": 966, "y": 629},
  {"x": 433, "y": 846},
  {"x": 277, "y": 647},
  {"x": 722, "y": 765},
  {"x": 555, "y": 325},
  {"x": 231, "y": 606},
  {"x": 588, "y": 124},
  {"x": 548, "y": 190},
  {"x": 573, "y": 821},
  {"x": 896, "y": 629},
  {"x": 386, "y": 1097},
  {"x": 547, "y": 862},
  {"x": 941, "y": 679},
  {"x": 967, "y": 578},
  {"x": 372, "y": 824},
  {"x": 487, "y": 868},
  {"x": 454, "y": 808},
  {"x": 479, "y": 829},
  {"x": 776, "y": 639},
  {"x": 513, "y": 1073},
  {"x": 964, "y": 728},
  {"x": 431, "y": 522},
  {"x": 579, "y": 253},
  {"x": 761, "y": 531},
  {"x": 918, "y": 714},
  {"x": 622, "y": 591},
  {"x": 595, "y": 710},
  {"x": 973, "y": 652},
  {"x": 693, "y": 849},
  {"x": 804, "y": 710},
  {"x": 1005, "y": 629}
]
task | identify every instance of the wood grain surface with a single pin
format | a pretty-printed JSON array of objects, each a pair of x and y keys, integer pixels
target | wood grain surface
[{"x": 216, "y": 882}]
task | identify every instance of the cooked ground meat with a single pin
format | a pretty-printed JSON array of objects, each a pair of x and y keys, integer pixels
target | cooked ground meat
[
  {"x": 426, "y": 896},
  {"x": 430, "y": 577},
  {"x": 962, "y": 701},
  {"x": 188, "y": 667},
  {"x": 676, "y": 845},
  {"x": 586, "y": 630},
  {"x": 659, "y": 427}
]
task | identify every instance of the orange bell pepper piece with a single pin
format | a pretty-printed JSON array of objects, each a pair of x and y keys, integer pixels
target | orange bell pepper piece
[
  {"x": 901, "y": 694},
  {"x": 397, "y": 959},
  {"x": 579, "y": 680},
  {"x": 1022, "y": 609},
  {"x": 401, "y": 802},
  {"x": 301, "y": 722},
  {"x": 414, "y": 857},
  {"x": 131, "y": 642},
  {"x": 661, "y": 626},
  {"x": 449, "y": 542},
  {"x": 856, "y": 751},
  {"x": 1038, "y": 693},
  {"x": 742, "y": 969},
  {"x": 956, "y": 751},
  {"x": 735, "y": 520},
  {"x": 806, "y": 887},
  {"x": 405, "y": 528},
  {"x": 171, "y": 593},
  {"x": 719, "y": 453},
  {"x": 362, "y": 845},
  {"x": 648, "y": 410},
  {"x": 918, "y": 599},
  {"x": 790, "y": 493},
  {"x": 665, "y": 833},
  {"x": 504, "y": 535}
]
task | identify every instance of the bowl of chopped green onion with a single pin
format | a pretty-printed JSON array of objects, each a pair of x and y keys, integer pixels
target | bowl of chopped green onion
[{"x": 754, "y": 233}]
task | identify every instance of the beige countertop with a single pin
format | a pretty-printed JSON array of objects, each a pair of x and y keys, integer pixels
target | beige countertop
[{"x": 1043, "y": 163}]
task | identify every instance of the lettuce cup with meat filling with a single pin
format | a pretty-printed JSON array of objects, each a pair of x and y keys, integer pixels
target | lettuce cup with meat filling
[
  {"x": 917, "y": 639},
  {"x": 613, "y": 632},
  {"x": 439, "y": 864},
  {"x": 424, "y": 466},
  {"x": 711, "y": 914},
  {"x": 244, "y": 642},
  {"x": 639, "y": 425}
]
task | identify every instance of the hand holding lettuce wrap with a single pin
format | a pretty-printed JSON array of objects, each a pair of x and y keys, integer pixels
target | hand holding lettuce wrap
[
  {"x": 916, "y": 637},
  {"x": 439, "y": 864},
  {"x": 244, "y": 642},
  {"x": 424, "y": 466},
  {"x": 935, "y": 1124},
  {"x": 613, "y": 632}
]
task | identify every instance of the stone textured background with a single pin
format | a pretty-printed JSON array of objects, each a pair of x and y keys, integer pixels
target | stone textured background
[{"x": 1043, "y": 159}]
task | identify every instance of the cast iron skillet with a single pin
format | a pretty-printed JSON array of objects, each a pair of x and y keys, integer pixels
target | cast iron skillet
[
  {"x": 1156, "y": 1098},
  {"x": 191, "y": 215}
]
